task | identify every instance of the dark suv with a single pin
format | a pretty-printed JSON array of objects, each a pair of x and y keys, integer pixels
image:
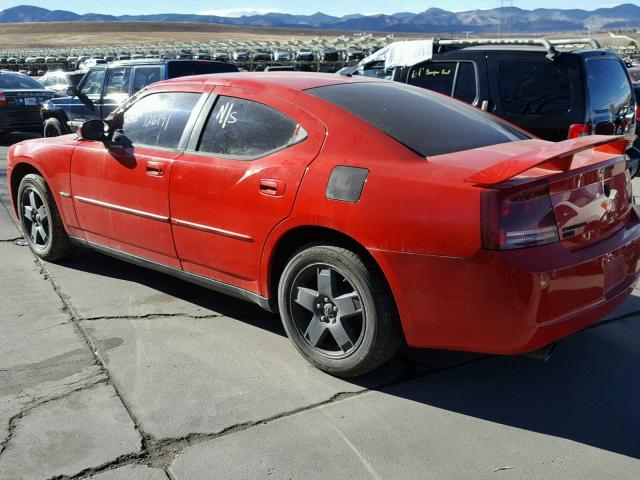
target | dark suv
[
  {"x": 553, "y": 89},
  {"x": 105, "y": 87}
]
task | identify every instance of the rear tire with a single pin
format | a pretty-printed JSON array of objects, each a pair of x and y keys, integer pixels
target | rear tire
[
  {"x": 338, "y": 311},
  {"x": 53, "y": 128},
  {"x": 40, "y": 220}
]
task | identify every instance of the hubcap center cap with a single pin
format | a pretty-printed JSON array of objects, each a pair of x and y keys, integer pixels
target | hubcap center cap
[{"x": 326, "y": 310}]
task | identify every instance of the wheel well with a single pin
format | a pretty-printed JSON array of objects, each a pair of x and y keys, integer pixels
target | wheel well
[
  {"x": 300, "y": 236},
  {"x": 17, "y": 174},
  {"x": 56, "y": 116}
]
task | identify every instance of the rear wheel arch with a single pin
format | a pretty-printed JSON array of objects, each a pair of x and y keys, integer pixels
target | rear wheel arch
[{"x": 292, "y": 240}]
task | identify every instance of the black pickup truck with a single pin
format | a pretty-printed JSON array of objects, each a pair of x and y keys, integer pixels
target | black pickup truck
[{"x": 105, "y": 87}]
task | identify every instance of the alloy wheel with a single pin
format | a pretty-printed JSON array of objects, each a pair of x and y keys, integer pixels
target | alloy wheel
[
  {"x": 327, "y": 310},
  {"x": 35, "y": 218}
]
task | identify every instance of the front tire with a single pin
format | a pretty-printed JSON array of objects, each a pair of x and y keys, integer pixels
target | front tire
[
  {"x": 338, "y": 311},
  {"x": 40, "y": 220}
]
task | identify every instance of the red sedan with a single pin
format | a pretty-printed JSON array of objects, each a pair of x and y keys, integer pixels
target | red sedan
[{"x": 366, "y": 212}]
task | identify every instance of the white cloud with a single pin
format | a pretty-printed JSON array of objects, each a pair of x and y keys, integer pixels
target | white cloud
[{"x": 239, "y": 12}]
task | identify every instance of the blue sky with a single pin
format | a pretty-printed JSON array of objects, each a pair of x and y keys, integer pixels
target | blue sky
[{"x": 332, "y": 7}]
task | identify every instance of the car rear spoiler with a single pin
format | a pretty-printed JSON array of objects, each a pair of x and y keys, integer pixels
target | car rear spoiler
[{"x": 554, "y": 156}]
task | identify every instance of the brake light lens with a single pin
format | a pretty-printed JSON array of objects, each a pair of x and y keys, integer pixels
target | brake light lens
[
  {"x": 518, "y": 219},
  {"x": 578, "y": 130},
  {"x": 638, "y": 113},
  {"x": 3, "y": 99}
]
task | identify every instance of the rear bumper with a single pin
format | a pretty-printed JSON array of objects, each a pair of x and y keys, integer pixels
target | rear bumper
[
  {"x": 511, "y": 302},
  {"x": 15, "y": 120}
]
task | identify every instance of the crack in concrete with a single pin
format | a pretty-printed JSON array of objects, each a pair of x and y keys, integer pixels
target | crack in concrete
[
  {"x": 161, "y": 453},
  {"x": 23, "y": 411},
  {"x": 150, "y": 316},
  {"x": 11, "y": 240}
]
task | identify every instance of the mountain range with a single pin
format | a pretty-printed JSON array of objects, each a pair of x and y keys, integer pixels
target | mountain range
[{"x": 432, "y": 20}]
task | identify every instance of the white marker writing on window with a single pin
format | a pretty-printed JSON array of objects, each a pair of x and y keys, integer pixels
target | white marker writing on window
[{"x": 226, "y": 115}]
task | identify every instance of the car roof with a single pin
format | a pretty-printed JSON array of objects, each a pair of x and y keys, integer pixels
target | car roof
[
  {"x": 270, "y": 80},
  {"x": 157, "y": 61}
]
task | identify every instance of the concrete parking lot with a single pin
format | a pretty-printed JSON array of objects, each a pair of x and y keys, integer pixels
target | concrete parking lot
[{"x": 111, "y": 372}]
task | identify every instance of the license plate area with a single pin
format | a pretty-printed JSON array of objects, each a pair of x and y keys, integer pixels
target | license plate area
[{"x": 614, "y": 271}]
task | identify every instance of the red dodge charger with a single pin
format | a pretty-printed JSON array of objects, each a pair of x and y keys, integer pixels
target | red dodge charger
[{"x": 366, "y": 212}]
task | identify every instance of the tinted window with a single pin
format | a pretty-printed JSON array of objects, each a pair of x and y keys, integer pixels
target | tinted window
[
  {"x": 426, "y": 123},
  {"x": 534, "y": 87},
  {"x": 92, "y": 84},
  {"x": 608, "y": 86},
  {"x": 144, "y": 76},
  {"x": 242, "y": 128},
  {"x": 117, "y": 83},
  {"x": 434, "y": 76},
  {"x": 159, "y": 119},
  {"x": 13, "y": 81},
  {"x": 466, "y": 84},
  {"x": 183, "y": 69}
]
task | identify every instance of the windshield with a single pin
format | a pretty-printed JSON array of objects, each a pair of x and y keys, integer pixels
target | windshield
[
  {"x": 11, "y": 81},
  {"x": 425, "y": 122}
]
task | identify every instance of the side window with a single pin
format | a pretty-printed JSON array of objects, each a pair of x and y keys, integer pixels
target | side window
[
  {"x": 534, "y": 87},
  {"x": 159, "y": 119},
  {"x": 436, "y": 76},
  {"x": 93, "y": 83},
  {"x": 609, "y": 88},
  {"x": 466, "y": 88},
  {"x": 143, "y": 76},
  {"x": 242, "y": 128},
  {"x": 117, "y": 84}
]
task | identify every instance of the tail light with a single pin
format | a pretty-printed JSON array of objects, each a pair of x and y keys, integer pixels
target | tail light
[
  {"x": 3, "y": 99},
  {"x": 518, "y": 219},
  {"x": 578, "y": 130},
  {"x": 638, "y": 113}
]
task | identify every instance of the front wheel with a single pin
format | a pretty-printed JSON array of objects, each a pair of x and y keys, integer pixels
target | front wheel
[
  {"x": 338, "y": 311},
  {"x": 40, "y": 220}
]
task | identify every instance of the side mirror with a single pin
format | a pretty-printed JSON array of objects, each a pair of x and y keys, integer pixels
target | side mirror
[
  {"x": 92, "y": 130},
  {"x": 72, "y": 91}
]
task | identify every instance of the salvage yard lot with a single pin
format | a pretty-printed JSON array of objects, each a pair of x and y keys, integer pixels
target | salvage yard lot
[{"x": 111, "y": 371}]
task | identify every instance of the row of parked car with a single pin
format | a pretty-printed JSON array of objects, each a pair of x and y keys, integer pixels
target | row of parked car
[
  {"x": 555, "y": 94},
  {"x": 239, "y": 55}
]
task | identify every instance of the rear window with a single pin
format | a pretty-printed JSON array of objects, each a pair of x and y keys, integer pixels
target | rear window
[
  {"x": 425, "y": 122},
  {"x": 184, "y": 69},
  {"x": 608, "y": 86},
  {"x": 12, "y": 81},
  {"x": 534, "y": 87}
]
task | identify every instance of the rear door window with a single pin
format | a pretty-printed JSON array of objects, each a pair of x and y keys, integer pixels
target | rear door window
[
  {"x": 608, "y": 86},
  {"x": 144, "y": 76},
  {"x": 534, "y": 87},
  {"x": 426, "y": 123},
  {"x": 466, "y": 87},
  {"x": 455, "y": 79},
  {"x": 245, "y": 129},
  {"x": 184, "y": 69},
  {"x": 434, "y": 76},
  {"x": 159, "y": 119}
]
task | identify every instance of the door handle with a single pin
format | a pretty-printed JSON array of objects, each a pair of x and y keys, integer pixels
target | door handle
[
  {"x": 271, "y": 187},
  {"x": 155, "y": 169}
]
